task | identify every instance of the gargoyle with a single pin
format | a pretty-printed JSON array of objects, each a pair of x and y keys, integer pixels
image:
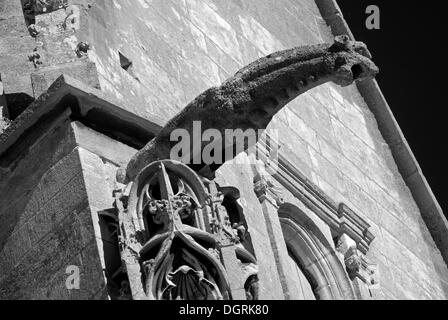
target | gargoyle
[{"x": 257, "y": 92}]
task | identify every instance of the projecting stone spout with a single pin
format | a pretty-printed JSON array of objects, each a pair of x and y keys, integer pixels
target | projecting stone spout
[{"x": 257, "y": 92}]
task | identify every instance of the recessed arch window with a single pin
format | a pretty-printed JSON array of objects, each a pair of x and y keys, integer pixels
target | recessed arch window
[
  {"x": 322, "y": 275},
  {"x": 305, "y": 288}
]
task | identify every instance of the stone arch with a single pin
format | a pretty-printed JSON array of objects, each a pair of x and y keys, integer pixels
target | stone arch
[{"x": 315, "y": 255}]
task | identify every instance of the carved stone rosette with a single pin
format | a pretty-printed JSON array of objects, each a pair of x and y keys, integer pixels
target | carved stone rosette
[{"x": 173, "y": 231}]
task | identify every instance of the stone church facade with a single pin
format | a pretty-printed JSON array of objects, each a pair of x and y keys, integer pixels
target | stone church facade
[{"x": 331, "y": 205}]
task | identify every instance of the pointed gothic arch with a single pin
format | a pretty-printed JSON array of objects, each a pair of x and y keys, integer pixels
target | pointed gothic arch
[{"x": 314, "y": 255}]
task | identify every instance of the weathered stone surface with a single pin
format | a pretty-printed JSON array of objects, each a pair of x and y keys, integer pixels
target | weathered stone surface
[
  {"x": 31, "y": 163},
  {"x": 257, "y": 92},
  {"x": 178, "y": 50},
  {"x": 47, "y": 225},
  {"x": 101, "y": 145},
  {"x": 80, "y": 70},
  {"x": 15, "y": 45}
]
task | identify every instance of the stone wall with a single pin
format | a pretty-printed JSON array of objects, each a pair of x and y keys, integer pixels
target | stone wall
[
  {"x": 180, "y": 48},
  {"x": 47, "y": 219},
  {"x": 15, "y": 45}
]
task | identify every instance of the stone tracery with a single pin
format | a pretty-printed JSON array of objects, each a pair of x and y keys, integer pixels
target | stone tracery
[{"x": 181, "y": 228}]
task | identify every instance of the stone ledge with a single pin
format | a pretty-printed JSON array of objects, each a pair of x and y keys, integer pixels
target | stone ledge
[{"x": 86, "y": 104}]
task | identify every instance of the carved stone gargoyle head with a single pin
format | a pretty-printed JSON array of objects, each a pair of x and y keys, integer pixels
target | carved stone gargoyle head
[{"x": 352, "y": 61}]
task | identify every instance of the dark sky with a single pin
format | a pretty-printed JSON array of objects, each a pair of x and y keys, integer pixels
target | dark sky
[{"x": 410, "y": 50}]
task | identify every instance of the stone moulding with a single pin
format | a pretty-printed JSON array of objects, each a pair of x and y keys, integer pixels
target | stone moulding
[
  {"x": 353, "y": 225},
  {"x": 308, "y": 245},
  {"x": 339, "y": 217}
]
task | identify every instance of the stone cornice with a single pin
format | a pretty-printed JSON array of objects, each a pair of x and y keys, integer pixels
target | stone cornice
[{"x": 83, "y": 103}]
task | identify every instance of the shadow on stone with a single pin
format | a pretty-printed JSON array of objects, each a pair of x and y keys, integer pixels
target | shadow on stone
[{"x": 17, "y": 103}]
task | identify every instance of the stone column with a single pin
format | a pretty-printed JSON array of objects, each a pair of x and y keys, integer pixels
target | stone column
[
  {"x": 270, "y": 200},
  {"x": 234, "y": 272},
  {"x": 227, "y": 247}
]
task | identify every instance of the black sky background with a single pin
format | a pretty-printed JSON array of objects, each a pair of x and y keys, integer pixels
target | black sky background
[{"x": 410, "y": 50}]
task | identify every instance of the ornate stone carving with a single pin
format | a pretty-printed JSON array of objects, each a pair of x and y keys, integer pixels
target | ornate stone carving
[
  {"x": 187, "y": 237},
  {"x": 219, "y": 219},
  {"x": 188, "y": 284},
  {"x": 264, "y": 187},
  {"x": 345, "y": 244},
  {"x": 357, "y": 264},
  {"x": 178, "y": 229},
  {"x": 257, "y": 92},
  {"x": 251, "y": 284},
  {"x": 352, "y": 261}
]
